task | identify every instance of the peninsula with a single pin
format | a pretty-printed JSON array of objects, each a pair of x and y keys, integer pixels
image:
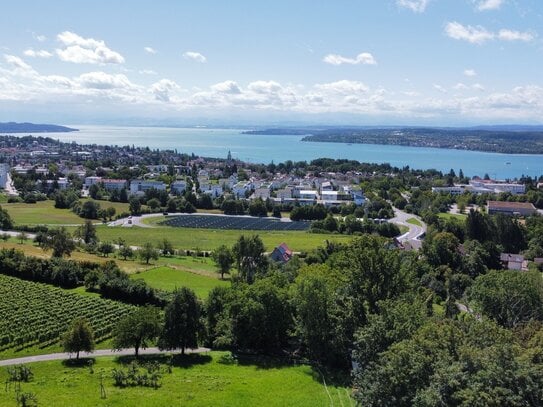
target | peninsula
[
  {"x": 12, "y": 127},
  {"x": 496, "y": 139}
]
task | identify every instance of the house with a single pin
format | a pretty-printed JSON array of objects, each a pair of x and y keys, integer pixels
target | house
[
  {"x": 326, "y": 186},
  {"x": 139, "y": 186},
  {"x": 511, "y": 208},
  {"x": 215, "y": 190},
  {"x": 178, "y": 187},
  {"x": 283, "y": 194},
  {"x": 308, "y": 194},
  {"x": 114, "y": 184},
  {"x": 262, "y": 193},
  {"x": 241, "y": 188},
  {"x": 281, "y": 254},
  {"x": 513, "y": 261},
  {"x": 91, "y": 181},
  {"x": 62, "y": 183}
]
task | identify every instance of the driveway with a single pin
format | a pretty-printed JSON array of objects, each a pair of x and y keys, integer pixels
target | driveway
[
  {"x": 96, "y": 353},
  {"x": 415, "y": 232}
]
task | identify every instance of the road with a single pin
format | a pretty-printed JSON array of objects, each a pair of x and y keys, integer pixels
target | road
[
  {"x": 96, "y": 353},
  {"x": 414, "y": 233}
]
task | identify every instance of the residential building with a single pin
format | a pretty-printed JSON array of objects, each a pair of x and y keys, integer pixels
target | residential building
[
  {"x": 91, "y": 181},
  {"x": 498, "y": 186},
  {"x": 513, "y": 262},
  {"x": 4, "y": 171},
  {"x": 262, "y": 193},
  {"x": 114, "y": 184},
  {"x": 178, "y": 187},
  {"x": 139, "y": 186}
]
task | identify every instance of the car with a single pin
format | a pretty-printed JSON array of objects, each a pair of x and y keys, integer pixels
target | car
[{"x": 165, "y": 213}]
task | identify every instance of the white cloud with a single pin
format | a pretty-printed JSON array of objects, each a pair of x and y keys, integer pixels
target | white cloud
[
  {"x": 37, "y": 54},
  {"x": 439, "y": 88},
  {"x": 365, "y": 58},
  {"x": 147, "y": 72},
  {"x": 479, "y": 87},
  {"x": 343, "y": 87},
  {"x": 149, "y": 50},
  {"x": 81, "y": 50},
  {"x": 418, "y": 6},
  {"x": 511, "y": 35},
  {"x": 479, "y": 35},
  {"x": 40, "y": 38},
  {"x": 484, "y": 5},
  {"x": 470, "y": 72},
  {"x": 264, "y": 87},
  {"x": 194, "y": 56},
  {"x": 163, "y": 88},
  {"x": 460, "y": 86},
  {"x": 102, "y": 80},
  {"x": 228, "y": 87},
  {"x": 17, "y": 62},
  {"x": 474, "y": 35}
]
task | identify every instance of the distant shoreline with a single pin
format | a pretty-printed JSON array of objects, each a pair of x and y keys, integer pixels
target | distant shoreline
[{"x": 529, "y": 142}]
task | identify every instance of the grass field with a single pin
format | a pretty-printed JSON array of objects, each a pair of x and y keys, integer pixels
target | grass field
[
  {"x": 209, "y": 239},
  {"x": 196, "y": 380},
  {"x": 457, "y": 216},
  {"x": 42, "y": 212},
  {"x": 414, "y": 221},
  {"x": 166, "y": 278},
  {"x": 45, "y": 213}
]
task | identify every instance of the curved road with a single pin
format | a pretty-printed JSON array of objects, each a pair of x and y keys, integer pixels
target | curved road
[
  {"x": 96, "y": 353},
  {"x": 415, "y": 232}
]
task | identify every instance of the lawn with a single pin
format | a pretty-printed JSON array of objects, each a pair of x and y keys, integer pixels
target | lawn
[
  {"x": 209, "y": 239},
  {"x": 166, "y": 278},
  {"x": 457, "y": 216},
  {"x": 414, "y": 221},
  {"x": 196, "y": 380},
  {"x": 42, "y": 212},
  {"x": 45, "y": 213}
]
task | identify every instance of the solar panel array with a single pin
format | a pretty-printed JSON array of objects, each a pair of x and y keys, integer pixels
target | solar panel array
[{"x": 232, "y": 222}]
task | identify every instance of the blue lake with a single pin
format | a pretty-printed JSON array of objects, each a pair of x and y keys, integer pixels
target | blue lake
[{"x": 267, "y": 148}]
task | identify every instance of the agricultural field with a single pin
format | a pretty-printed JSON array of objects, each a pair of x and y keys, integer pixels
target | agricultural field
[
  {"x": 232, "y": 222},
  {"x": 211, "y": 379},
  {"x": 36, "y": 314},
  {"x": 166, "y": 278},
  {"x": 210, "y": 239}
]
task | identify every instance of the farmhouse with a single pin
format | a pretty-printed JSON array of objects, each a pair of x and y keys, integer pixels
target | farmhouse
[
  {"x": 281, "y": 254},
  {"x": 513, "y": 261},
  {"x": 511, "y": 208}
]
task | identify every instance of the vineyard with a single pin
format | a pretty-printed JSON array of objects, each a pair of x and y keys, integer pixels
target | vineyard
[
  {"x": 36, "y": 314},
  {"x": 233, "y": 222}
]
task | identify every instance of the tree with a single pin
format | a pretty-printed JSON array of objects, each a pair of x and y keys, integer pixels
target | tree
[
  {"x": 110, "y": 212},
  {"x": 79, "y": 337},
  {"x": 89, "y": 210},
  {"x": 94, "y": 191},
  {"x": 5, "y": 219},
  {"x": 147, "y": 252},
  {"x": 86, "y": 232},
  {"x": 249, "y": 255},
  {"x": 137, "y": 329},
  {"x": 135, "y": 206},
  {"x": 181, "y": 321},
  {"x": 60, "y": 241},
  {"x": 509, "y": 297},
  {"x": 23, "y": 237},
  {"x": 106, "y": 248},
  {"x": 257, "y": 207},
  {"x": 223, "y": 258},
  {"x": 153, "y": 203},
  {"x": 126, "y": 252},
  {"x": 165, "y": 247}
]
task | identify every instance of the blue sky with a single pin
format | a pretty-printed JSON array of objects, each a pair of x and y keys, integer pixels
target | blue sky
[{"x": 446, "y": 62}]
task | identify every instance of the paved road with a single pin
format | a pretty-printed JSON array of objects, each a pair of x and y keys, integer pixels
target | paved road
[
  {"x": 135, "y": 221},
  {"x": 414, "y": 233},
  {"x": 96, "y": 353}
]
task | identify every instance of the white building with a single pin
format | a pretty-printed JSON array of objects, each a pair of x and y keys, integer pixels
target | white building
[
  {"x": 262, "y": 193},
  {"x": 498, "y": 186},
  {"x": 114, "y": 184},
  {"x": 215, "y": 190},
  {"x": 455, "y": 190},
  {"x": 91, "y": 181},
  {"x": 178, "y": 187},
  {"x": 139, "y": 186},
  {"x": 4, "y": 171},
  {"x": 241, "y": 188}
]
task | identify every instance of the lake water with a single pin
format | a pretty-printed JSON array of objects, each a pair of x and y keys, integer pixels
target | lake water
[{"x": 266, "y": 148}]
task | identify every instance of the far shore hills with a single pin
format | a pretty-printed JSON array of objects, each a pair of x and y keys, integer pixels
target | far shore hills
[
  {"x": 510, "y": 139},
  {"x": 12, "y": 127}
]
